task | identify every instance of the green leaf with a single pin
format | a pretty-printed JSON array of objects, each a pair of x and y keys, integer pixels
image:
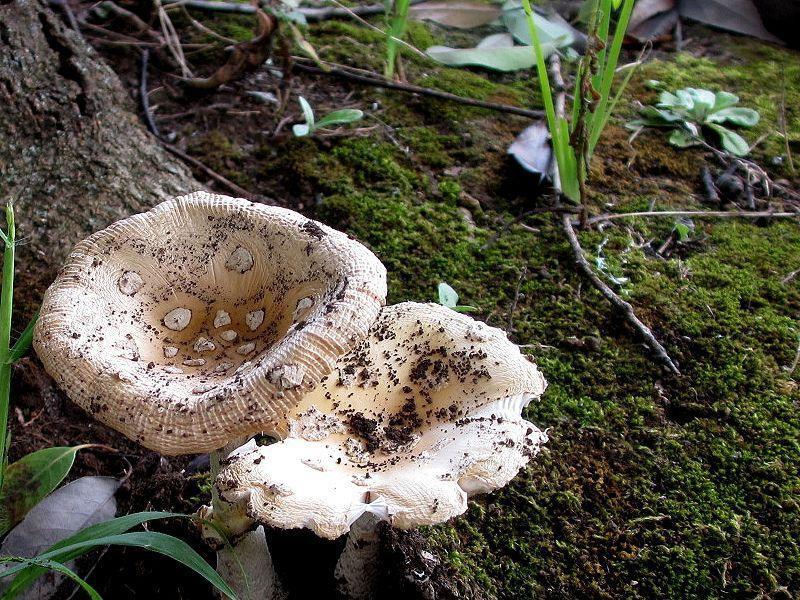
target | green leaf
[
  {"x": 724, "y": 100},
  {"x": 731, "y": 141},
  {"x": 308, "y": 113},
  {"x": 447, "y": 295},
  {"x": 52, "y": 565},
  {"x": 506, "y": 59},
  {"x": 682, "y": 138},
  {"x": 743, "y": 117},
  {"x": 682, "y": 229},
  {"x": 32, "y": 478},
  {"x": 22, "y": 344},
  {"x": 557, "y": 34},
  {"x": 340, "y": 117},
  {"x": 153, "y": 541},
  {"x": 655, "y": 114},
  {"x": 108, "y": 528},
  {"x": 465, "y": 309},
  {"x": 462, "y": 14},
  {"x": 684, "y": 99},
  {"x": 703, "y": 99}
]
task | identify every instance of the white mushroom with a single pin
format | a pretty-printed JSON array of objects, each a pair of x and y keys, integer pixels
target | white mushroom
[
  {"x": 426, "y": 417},
  {"x": 206, "y": 261}
]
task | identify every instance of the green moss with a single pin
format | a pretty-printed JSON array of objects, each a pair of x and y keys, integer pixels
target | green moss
[{"x": 421, "y": 36}]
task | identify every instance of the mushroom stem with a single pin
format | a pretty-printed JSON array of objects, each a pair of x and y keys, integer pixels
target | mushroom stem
[
  {"x": 356, "y": 571},
  {"x": 247, "y": 567},
  {"x": 219, "y": 506},
  {"x": 244, "y": 561}
]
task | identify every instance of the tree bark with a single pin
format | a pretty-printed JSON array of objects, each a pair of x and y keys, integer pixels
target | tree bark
[{"x": 74, "y": 156}]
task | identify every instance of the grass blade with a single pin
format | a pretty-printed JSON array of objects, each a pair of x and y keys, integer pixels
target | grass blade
[
  {"x": 23, "y": 342},
  {"x": 6, "y": 305},
  {"x": 153, "y": 541},
  {"x": 396, "y": 32},
  {"x": 51, "y": 565},
  {"x": 108, "y": 528},
  {"x": 607, "y": 80}
]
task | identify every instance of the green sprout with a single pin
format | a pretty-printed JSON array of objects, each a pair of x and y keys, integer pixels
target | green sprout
[
  {"x": 449, "y": 297},
  {"x": 337, "y": 117}
]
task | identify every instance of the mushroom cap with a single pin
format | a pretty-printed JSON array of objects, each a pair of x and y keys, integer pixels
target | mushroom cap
[
  {"x": 205, "y": 319},
  {"x": 422, "y": 413}
]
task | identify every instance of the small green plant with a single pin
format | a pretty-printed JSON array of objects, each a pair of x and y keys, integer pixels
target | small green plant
[
  {"x": 692, "y": 113},
  {"x": 397, "y": 28},
  {"x": 337, "y": 117},
  {"x": 26, "y": 482},
  {"x": 574, "y": 141},
  {"x": 449, "y": 297}
]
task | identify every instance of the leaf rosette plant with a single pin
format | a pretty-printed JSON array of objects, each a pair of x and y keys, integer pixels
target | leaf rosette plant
[{"x": 692, "y": 113}]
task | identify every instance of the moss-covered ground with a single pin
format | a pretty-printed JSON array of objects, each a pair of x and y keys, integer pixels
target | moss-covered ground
[{"x": 652, "y": 486}]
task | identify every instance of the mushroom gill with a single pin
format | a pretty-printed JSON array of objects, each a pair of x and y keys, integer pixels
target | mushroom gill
[
  {"x": 422, "y": 413},
  {"x": 205, "y": 319}
]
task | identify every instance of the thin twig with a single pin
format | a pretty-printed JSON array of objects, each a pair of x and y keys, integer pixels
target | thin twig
[
  {"x": 580, "y": 259},
  {"x": 209, "y": 171},
  {"x": 312, "y": 14},
  {"x": 790, "y": 276},
  {"x": 344, "y": 73},
  {"x": 513, "y": 308},
  {"x": 715, "y": 214},
  {"x": 782, "y": 123},
  {"x": 139, "y": 26},
  {"x": 796, "y": 360},
  {"x": 200, "y": 27},
  {"x": 143, "y": 96},
  {"x": 624, "y": 307},
  {"x": 369, "y": 25},
  {"x": 527, "y": 213},
  {"x": 173, "y": 41}
]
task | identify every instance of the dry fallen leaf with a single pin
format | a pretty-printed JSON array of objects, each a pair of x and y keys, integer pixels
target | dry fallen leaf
[
  {"x": 653, "y": 18},
  {"x": 463, "y": 14}
]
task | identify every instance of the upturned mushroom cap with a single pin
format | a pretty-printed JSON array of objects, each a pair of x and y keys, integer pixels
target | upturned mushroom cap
[
  {"x": 205, "y": 319},
  {"x": 421, "y": 414}
]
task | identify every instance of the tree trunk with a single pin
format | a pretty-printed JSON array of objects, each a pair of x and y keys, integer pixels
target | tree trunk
[{"x": 74, "y": 156}]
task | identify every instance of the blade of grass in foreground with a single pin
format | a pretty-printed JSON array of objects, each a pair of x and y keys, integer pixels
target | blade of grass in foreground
[
  {"x": 51, "y": 565},
  {"x": 153, "y": 541},
  {"x": 6, "y": 306},
  {"x": 107, "y": 528}
]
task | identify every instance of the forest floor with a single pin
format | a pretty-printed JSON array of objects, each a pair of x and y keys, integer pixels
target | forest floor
[{"x": 652, "y": 485}]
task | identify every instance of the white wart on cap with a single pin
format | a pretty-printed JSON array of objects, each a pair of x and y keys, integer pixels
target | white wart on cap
[
  {"x": 423, "y": 413},
  {"x": 205, "y": 319}
]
